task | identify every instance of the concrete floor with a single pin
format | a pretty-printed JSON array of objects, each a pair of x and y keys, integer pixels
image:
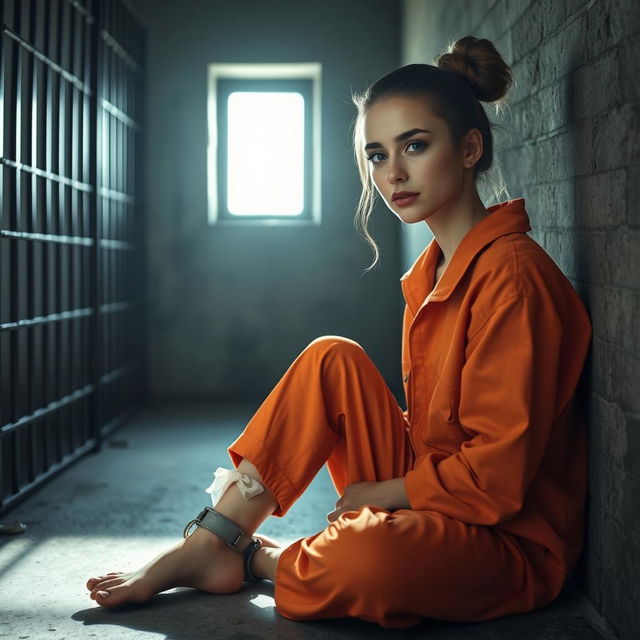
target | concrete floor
[{"x": 117, "y": 510}]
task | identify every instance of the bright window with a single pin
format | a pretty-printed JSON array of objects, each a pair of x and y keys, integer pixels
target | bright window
[
  {"x": 264, "y": 143},
  {"x": 265, "y": 153}
]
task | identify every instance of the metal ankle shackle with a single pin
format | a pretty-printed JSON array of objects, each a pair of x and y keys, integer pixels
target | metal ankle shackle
[{"x": 224, "y": 527}]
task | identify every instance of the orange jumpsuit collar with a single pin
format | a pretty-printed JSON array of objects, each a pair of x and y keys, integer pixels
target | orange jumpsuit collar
[{"x": 505, "y": 217}]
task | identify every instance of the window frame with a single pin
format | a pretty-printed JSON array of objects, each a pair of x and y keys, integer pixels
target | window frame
[{"x": 304, "y": 78}]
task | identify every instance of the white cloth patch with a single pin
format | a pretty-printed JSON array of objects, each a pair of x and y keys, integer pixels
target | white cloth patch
[{"x": 249, "y": 487}]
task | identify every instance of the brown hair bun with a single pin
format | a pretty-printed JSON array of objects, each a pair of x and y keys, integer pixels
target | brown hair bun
[{"x": 479, "y": 62}]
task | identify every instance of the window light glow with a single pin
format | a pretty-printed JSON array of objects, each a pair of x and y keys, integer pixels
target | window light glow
[{"x": 265, "y": 153}]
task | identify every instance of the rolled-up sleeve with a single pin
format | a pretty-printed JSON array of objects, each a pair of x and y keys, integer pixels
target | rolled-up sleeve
[{"x": 507, "y": 403}]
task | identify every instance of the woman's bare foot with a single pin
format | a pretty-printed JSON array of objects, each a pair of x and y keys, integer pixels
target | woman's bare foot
[{"x": 202, "y": 560}]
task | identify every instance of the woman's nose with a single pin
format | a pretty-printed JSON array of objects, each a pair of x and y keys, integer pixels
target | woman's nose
[{"x": 395, "y": 171}]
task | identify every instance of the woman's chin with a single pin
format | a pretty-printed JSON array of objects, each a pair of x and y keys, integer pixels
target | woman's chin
[{"x": 411, "y": 216}]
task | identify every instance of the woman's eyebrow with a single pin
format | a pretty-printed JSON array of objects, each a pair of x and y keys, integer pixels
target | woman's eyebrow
[{"x": 398, "y": 138}]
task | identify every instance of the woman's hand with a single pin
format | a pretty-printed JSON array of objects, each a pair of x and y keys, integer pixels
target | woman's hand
[{"x": 356, "y": 495}]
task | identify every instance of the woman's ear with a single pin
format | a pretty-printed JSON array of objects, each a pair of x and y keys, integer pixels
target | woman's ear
[{"x": 472, "y": 148}]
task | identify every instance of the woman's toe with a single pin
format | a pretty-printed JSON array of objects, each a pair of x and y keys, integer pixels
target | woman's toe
[
  {"x": 119, "y": 593},
  {"x": 105, "y": 585},
  {"x": 104, "y": 598},
  {"x": 92, "y": 582},
  {"x": 109, "y": 596}
]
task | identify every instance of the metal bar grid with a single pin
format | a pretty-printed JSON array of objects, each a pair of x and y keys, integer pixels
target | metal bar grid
[{"x": 71, "y": 233}]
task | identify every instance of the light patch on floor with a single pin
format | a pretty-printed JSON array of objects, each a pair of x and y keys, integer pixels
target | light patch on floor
[{"x": 263, "y": 601}]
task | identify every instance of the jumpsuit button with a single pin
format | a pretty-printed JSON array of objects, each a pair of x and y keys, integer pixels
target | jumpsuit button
[{"x": 406, "y": 377}]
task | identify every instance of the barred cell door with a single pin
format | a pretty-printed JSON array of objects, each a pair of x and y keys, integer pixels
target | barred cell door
[{"x": 72, "y": 312}]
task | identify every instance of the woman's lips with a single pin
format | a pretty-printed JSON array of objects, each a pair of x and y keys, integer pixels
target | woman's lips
[{"x": 403, "y": 202}]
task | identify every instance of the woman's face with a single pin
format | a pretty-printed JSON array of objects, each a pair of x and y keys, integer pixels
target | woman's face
[{"x": 424, "y": 162}]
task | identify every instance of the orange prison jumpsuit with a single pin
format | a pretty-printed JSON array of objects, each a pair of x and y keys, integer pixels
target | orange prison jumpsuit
[{"x": 492, "y": 447}]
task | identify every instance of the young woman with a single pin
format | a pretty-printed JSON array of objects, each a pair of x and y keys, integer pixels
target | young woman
[{"x": 469, "y": 504}]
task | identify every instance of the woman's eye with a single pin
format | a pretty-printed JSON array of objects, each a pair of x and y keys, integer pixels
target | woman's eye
[
  {"x": 417, "y": 142},
  {"x": 370, "y": 158},
  {"x": 421, "y": 145}
]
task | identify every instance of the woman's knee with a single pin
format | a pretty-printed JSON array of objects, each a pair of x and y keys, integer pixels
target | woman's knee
[{"x": 343, "y": 345}]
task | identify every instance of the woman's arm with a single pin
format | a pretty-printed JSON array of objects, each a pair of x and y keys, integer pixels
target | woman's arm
[{"x": 509, "y": 395}]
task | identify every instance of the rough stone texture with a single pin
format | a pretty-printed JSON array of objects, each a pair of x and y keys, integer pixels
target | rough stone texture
[
  {"x": 117, "y": 510},
  {"x": 574, "y": 155}
]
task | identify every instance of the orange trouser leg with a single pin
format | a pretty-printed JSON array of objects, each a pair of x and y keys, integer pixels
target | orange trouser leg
[
  {"x": 390, "y": 567},
  {"x": 331, "y": 405}
]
